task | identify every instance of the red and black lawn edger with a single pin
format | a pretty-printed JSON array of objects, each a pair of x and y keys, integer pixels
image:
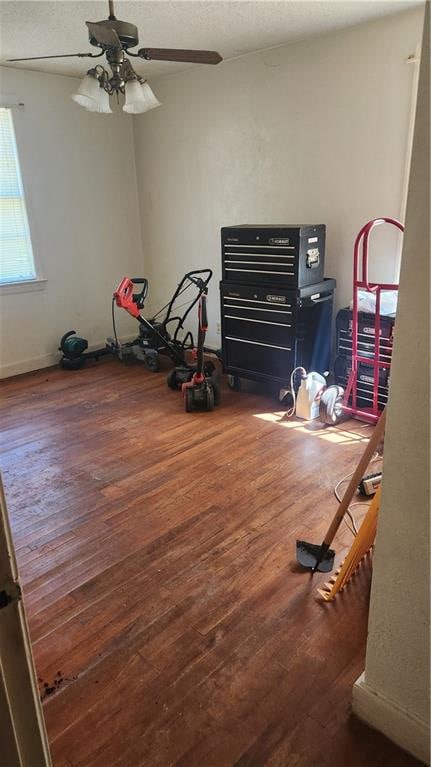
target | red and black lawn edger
[{"x": 202, "y": 390}]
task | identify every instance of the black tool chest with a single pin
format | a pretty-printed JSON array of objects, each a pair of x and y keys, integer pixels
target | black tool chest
[
  {"x": 292, "y": 256},
  {"x": 276, "y": 307},
  {"x": 366, "y": 338}
]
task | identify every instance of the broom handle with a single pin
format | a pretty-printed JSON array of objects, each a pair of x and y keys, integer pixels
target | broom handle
[{"x": 356, "y": 478}]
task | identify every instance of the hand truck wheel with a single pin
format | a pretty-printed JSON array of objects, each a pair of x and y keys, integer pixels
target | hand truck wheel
[{"x": 331, "y": 405}]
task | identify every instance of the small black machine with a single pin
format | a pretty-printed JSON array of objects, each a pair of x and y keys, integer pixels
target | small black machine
[{"x": 74, "y": 350}]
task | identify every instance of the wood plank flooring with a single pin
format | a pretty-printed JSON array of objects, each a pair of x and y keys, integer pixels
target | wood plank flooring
[{"x": 170, "y": 624}]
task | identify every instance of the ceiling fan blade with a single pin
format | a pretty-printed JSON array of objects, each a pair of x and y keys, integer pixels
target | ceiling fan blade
[
  {"x": 56, "y": 56},
  {"x": 103, "y": 34},
  {"x": 178, "y": 54}
]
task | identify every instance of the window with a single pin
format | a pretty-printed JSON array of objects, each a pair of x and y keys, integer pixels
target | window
[{"x": 16, "y": 253}]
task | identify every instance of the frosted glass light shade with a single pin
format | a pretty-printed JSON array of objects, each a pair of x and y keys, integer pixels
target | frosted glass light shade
[
  {"x": 101, "y": 103},
  {"x": 139, "y": 98},
  {"x": 92, "y": 96}
]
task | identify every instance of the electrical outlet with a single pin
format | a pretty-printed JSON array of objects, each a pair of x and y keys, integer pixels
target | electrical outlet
[{"x": 218, "y": 328}]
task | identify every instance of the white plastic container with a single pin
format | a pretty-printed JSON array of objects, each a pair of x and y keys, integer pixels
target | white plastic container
[{"x": 307, "y": 402}]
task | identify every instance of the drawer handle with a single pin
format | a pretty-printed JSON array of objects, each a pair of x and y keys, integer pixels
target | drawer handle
[
  {"x": 256, "y": 263},
  {"x": 255, "y": 301},
  {"x": 260, "y": 271},
  {"x": 259, "y": 322},
  {"x": 261, "y": 255},
  {"x": 321, "y": 299},
  {"x": 258, "y": 343},
  {"x": 275, "y": 247},
  {"x": 257, "y": 309}
]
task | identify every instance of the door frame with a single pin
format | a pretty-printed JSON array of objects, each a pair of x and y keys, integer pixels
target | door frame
[{"x": 23, "y": 739}]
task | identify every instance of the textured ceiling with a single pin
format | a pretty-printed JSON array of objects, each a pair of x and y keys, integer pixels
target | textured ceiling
[{"x": 232, "y": 27}]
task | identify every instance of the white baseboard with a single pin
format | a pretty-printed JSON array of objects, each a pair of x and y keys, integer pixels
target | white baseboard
[
  {"x": 409, "y": 732},
  {"x": 26, "y": 366},
  {"x": 47, "y": 360}
]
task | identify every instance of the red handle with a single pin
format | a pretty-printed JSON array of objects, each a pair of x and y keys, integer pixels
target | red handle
[
  {"x": 364, "y": 235},
  {"x": 124, "y": 297}
]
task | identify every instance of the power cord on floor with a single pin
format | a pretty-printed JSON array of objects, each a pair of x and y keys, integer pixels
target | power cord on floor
[
  {"x": 292, "y": 410},
  {"x": 353, "y": 529}
]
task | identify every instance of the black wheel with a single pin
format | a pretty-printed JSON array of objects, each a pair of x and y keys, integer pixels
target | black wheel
[
  {"x": 234, "y": 382},
  {"x": 152, "y": 362},
  {"x": 209, "y": 398},
  {"x": 216, "y": 389},
  {"x": 209, "y": 368},
  {"x": 172, "y": 380},
  {"x": 331, "y": 405},
  {"x": 189, "y": 400}
]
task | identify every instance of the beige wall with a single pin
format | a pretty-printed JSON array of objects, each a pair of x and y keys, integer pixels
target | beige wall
[
  {"x": 78, "y": 170},
  {"x": 394, "y": 693},
  {"x": 312, "y": 132}
]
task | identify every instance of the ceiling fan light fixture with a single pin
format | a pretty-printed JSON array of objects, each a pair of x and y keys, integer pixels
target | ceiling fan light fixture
[
  {"x": 91, "y": 95},
  {"x": 114, "y": 38},
  {"x": 139, "y": 97}
]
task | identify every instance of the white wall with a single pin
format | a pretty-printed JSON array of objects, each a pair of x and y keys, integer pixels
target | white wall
[
  {"x": 313, "y": 132},
  {"x": 79, "y": 175},
  {"x": 394, "y": 693}
]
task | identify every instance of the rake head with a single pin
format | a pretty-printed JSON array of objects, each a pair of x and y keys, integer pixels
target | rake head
[{"x": 314, "y": 556}]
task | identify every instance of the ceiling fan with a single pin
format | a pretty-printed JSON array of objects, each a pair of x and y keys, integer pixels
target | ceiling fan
[{"x": 115, "y": 38}]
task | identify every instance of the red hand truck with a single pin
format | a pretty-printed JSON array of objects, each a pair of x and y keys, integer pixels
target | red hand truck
[{"x": 362, "y": 283}]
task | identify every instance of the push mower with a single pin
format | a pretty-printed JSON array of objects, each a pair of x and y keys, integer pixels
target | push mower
[{"x": 154, "y": 337}]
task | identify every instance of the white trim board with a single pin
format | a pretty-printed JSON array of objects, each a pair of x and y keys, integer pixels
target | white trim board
[
  {"x": 47, "y": 360},
  {"x": 407, "y": 731}
]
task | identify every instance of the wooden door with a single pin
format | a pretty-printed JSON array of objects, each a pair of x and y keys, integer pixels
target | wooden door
[{"x": 23, "y": 739}]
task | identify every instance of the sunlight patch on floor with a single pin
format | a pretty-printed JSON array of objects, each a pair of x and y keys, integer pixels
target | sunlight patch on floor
[{"x": 334, "y": 434}]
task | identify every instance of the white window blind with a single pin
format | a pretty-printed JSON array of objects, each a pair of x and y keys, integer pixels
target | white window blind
[{"x": 16, "y": 253}]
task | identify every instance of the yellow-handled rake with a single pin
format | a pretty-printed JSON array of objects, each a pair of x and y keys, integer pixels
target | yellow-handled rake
[
  {"x": 360, "y": 547},
  {"x": 321, "y": 557}
]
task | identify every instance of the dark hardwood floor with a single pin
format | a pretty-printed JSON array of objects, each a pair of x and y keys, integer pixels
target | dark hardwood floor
[{"x": 170, "y": 624}]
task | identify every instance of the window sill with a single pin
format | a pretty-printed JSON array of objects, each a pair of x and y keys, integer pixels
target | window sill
[{"x": 25, "y": 286}]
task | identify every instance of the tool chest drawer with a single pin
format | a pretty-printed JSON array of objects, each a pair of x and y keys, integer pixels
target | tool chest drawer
[
  {"x": 285, "y": 255},
  {"x": 366, "y": 335},
  {"x": 268, "y": 330},
  {"x": 364, "y": 387},
  {"x": 365, "y": 324},
  {"x": 265, "y": 361},
  {"x": 257, "y": 315}
]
